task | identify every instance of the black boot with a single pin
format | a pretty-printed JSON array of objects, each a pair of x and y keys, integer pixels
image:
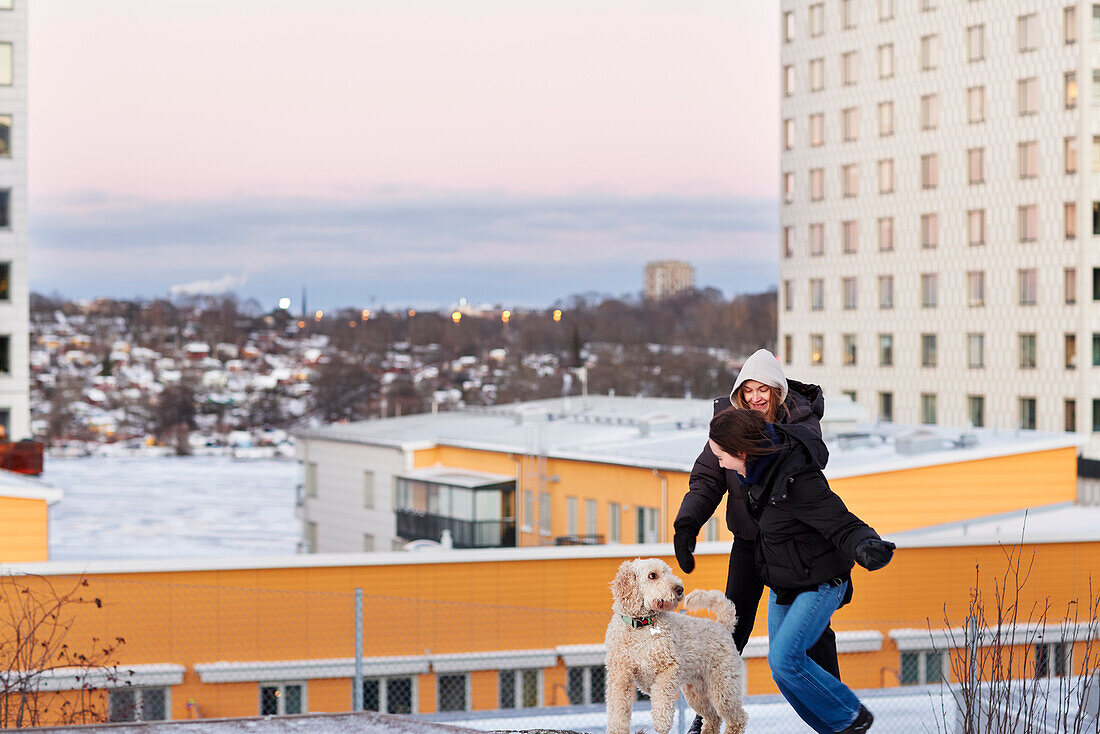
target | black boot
[
  {"x": 863, "y": 722},
  {"x": 696, "y": 726}
]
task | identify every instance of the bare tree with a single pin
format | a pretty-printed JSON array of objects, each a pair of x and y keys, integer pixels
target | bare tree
[{"x": 35, "y": 647}]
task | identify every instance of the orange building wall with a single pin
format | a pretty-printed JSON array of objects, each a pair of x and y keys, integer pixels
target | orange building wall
[
  {"x": 24, "y": 530},
  {"x": 290, "y": 614}
]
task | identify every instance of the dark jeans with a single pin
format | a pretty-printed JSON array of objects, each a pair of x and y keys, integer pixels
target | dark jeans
[{"x": 744, "y": 588}]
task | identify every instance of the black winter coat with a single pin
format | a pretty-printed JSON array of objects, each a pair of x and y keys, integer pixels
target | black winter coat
[
  {"x": 807, "y": 535},
  {"x": 803, "y": 407}
]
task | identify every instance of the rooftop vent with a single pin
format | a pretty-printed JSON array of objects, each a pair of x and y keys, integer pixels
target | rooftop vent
[{"x": 919, "y": 441}]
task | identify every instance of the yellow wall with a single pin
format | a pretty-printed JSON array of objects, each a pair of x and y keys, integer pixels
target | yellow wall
[
  {"x": 24, "y": 530},
  {"x": 410, "y": 609},
  {"x": 888, "y": 501}
]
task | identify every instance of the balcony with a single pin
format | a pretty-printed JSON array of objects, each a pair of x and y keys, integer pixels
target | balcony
[
  {"x": 477, "y": 508},
  {"x": 464, "y": 533}
]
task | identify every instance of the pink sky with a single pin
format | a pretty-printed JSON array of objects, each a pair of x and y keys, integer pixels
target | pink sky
[{"x": 179, "y": 99}]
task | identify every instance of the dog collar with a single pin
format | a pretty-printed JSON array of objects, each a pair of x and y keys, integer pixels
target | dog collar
[{"x": 636, "y": 622}]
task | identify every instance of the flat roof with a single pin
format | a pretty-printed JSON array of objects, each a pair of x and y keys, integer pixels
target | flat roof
[
  {"x": 21, "y": 486},
  {"x": 668, "y": 434},
  {"x": 456, "y": 477}
]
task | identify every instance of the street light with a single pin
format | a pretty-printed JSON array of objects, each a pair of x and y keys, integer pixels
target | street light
[
  {"x": 366, "y": 314},
  {"x": 557, "y": 314},
  {"x": 505, "y": 316},
  {"x": 319, "y": 315},
  {"x": 456, "y": 316},
  {"x": 284, "y": 303}
]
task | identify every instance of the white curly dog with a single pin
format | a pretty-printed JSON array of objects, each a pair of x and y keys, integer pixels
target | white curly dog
[{"x": 652, "y": 648}]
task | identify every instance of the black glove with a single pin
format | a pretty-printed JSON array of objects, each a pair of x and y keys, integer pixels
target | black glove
[
  {"x": 874, "y": 553},
  {"x": 684, "y": 543}
]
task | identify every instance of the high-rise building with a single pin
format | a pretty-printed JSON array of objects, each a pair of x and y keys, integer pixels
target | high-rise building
[
  {"x": 940, "y": 215},
  {"x": 14, "y": 292},
  {"x": 664, "y": 278}
]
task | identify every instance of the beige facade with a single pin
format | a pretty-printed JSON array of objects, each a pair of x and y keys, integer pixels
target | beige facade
[{"x": 664, "y": 278}]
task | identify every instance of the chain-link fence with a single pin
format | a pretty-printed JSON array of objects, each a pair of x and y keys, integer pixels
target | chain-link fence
[{"x": 119, "y": 649}]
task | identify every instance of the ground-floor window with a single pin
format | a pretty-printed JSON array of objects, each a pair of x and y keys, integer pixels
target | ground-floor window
[
  {"x": 922, "y": 666},
  {"x": 586, "y": 684},
  {"x": 277, "y": 699},
  {"x": 1051, "y": 660},
  {"x": 137, "y": 704},
  {"x": 520, "y": 688},
  {"x": 452, "y": 692},
  {"x": 388, "y": 695}
]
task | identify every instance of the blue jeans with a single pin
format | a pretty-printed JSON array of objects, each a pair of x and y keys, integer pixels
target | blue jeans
[{"x": 822, "y": 701}]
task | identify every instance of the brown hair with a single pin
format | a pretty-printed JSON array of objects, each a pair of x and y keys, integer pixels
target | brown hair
[
  {"x": 740, "y": 431},
  {"x": 772, "y": 416}
]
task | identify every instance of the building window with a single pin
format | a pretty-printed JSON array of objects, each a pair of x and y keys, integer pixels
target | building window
[
  {"x": 817, "y": 184},
  {"x": 1069, "y": 286},
  {"x": 975, "y": 166},
  {"x": 137, "y": 704},
  {"x": 1096, "y": 415},
  {"x": 975, "y": 227},
  {"x": 928, "y": 409},
  {"x": 5, "y": 136},
  {"x": 929, "y": 231},
  {"x": 848, "y": 14},
  {"x": 388, "y": 695},
  {"x": 368, "y": 490},
  {"x": 929, "y": 111},
  {"x": 849, "y": 68},
  {"x": 886, "y": 234},
  {"x": 1028, "y": 284},
  {"x": 1069, "y": 415},
  {"x": 886, "y": 176},
  {"x": 1027, "y": 33},
  {"x": 1027, "y": 414},
  {"x": 928, "y": 356},
  {"x": 848, "y": 287},
  {"x": 929, "y": 52},
  {"x": 1027, "y": 351},
  {"x": 544, "y": 513},
  {"x": 528, "y": 510},
  {"x": 571, "y": 519},
  {"x": 849, "y": 177},
  {"x": 5, "y": 354},
  {"x": 1096, "y": 284},
  {"x": 817, "y": 349},
  {"x": 282, "y": 699},
  {"x": 7, "y": 66},
  {"x": 614, "y": 522},
  {"x": 788, "y": 134},
  {"x": 975, "y": 288},
  {"x": 1096, "y": 350},
  {"x": 975, "y": 43},
  {"x": 885, "y": 10},
  {"x": 817, "y": 19},
  {"x": 309, "y": 476},
  {"x": 1027, "y": 96},
  {"x": 886, "y": 406},
  {"x": 1070, "y": 220},
  {"x": 1027, "y": 222},
  {"x": 975, "y": 351},
  {"x": 5, "y": 208},
  {"x": 1069, "y": 90},
  {"x": 975, "y": 105},
  {"x": 929, "y": 171},
  {"x": 885, "y": 350},
  {"x": 788, "y": 81},
  {"x": 885, "y": 119},
  {"x": 817, "y": 129},
  {"x": 591, "y": 522},
  {"x": 817, "y": 239},
  {"x": 1027, "y": 155},
  {"x": 1095, "y": 87},
  {"x": 1069, "y": 351},
  {"x": 849, "y": 236},
  {"x": 975, "y": 410},
  {"x": 1096, "y": 217},
  {"x": 451, "y": 692},
  {"x": 646, "y": 529},
  {"x": 788, "y": 349},
  {"x": 817, "y": 75},
  {"x": 788, "y": 26},
  {"x": 5, "y": 282},
  {"x": 849, "y": 124},
  {"x": 788, "y": 295},
  {"x": 886, "y": 61},
  {"x": 788, "y": 242},
  {"x": 1069, "y": 154},
  {"x": 848, "y": 347},
  {"x": 788, "y": 188},
  {"x": 885, "y": 291},
  {"x": 520, "y": 688},
  {"x": 1069, "y": 25},
  {"x": 586, "y": 684},
  {"x": 929, "y": 290},
  {"x": 817, "y": 294}
]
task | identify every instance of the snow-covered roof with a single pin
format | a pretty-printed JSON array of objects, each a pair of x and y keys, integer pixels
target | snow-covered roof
[{"x": 22, "y": 486}]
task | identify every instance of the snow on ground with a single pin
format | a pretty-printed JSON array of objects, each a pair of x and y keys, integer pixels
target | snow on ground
[{"x": 171, "y": 507}]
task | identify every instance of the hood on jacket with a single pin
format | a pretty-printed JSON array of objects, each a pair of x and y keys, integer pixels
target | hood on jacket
[
  {"x": 763, "y": 367},
  {"x": 804, "y": 400}
]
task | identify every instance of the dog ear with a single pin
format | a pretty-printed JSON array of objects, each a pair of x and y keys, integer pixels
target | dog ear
[{"x": 625, "y": 589}]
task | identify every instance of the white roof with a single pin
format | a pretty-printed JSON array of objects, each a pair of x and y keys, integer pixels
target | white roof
[{"x": 22, "y": 486}]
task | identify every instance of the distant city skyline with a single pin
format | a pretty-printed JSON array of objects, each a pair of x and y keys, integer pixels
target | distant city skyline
[{"x": 408, "y": 153}]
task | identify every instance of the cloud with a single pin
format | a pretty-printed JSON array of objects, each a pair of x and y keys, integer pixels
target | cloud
[
  {"x": 399, "y": 248},
  {"x": 209, "y": 287}
]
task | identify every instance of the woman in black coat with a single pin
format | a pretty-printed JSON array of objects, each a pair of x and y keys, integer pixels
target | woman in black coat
[{"x": 806, "y": 543}]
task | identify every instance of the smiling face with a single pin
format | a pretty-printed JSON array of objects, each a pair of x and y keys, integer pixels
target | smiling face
[{"x": 759, "y": 397}]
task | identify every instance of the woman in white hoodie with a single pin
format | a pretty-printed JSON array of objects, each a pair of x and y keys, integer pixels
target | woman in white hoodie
[{"x": 760, "y": 386}]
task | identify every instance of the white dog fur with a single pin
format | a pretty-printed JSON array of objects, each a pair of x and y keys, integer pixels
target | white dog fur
[{"x": 665, "y": 651}]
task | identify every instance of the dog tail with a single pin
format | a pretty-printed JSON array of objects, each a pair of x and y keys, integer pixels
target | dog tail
[{"x": 716, "y": 602}]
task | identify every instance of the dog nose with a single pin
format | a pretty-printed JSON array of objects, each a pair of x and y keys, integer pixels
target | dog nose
[{"x": 679, "y": 590}]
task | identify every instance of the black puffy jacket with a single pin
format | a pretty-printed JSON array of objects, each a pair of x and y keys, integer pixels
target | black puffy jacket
[
  {"x": 803, "y": 407},
  {"x": 806, "y": 534}
]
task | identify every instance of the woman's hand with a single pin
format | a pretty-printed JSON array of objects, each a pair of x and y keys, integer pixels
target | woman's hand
[
  {"x": 874, "y": 553},
  {"x": 683, "y": 541}
]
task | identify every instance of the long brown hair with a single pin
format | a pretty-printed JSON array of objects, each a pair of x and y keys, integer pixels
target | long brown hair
[
  {"x": 774, "y": 406},
  {"x": 740, "y": 432}
]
